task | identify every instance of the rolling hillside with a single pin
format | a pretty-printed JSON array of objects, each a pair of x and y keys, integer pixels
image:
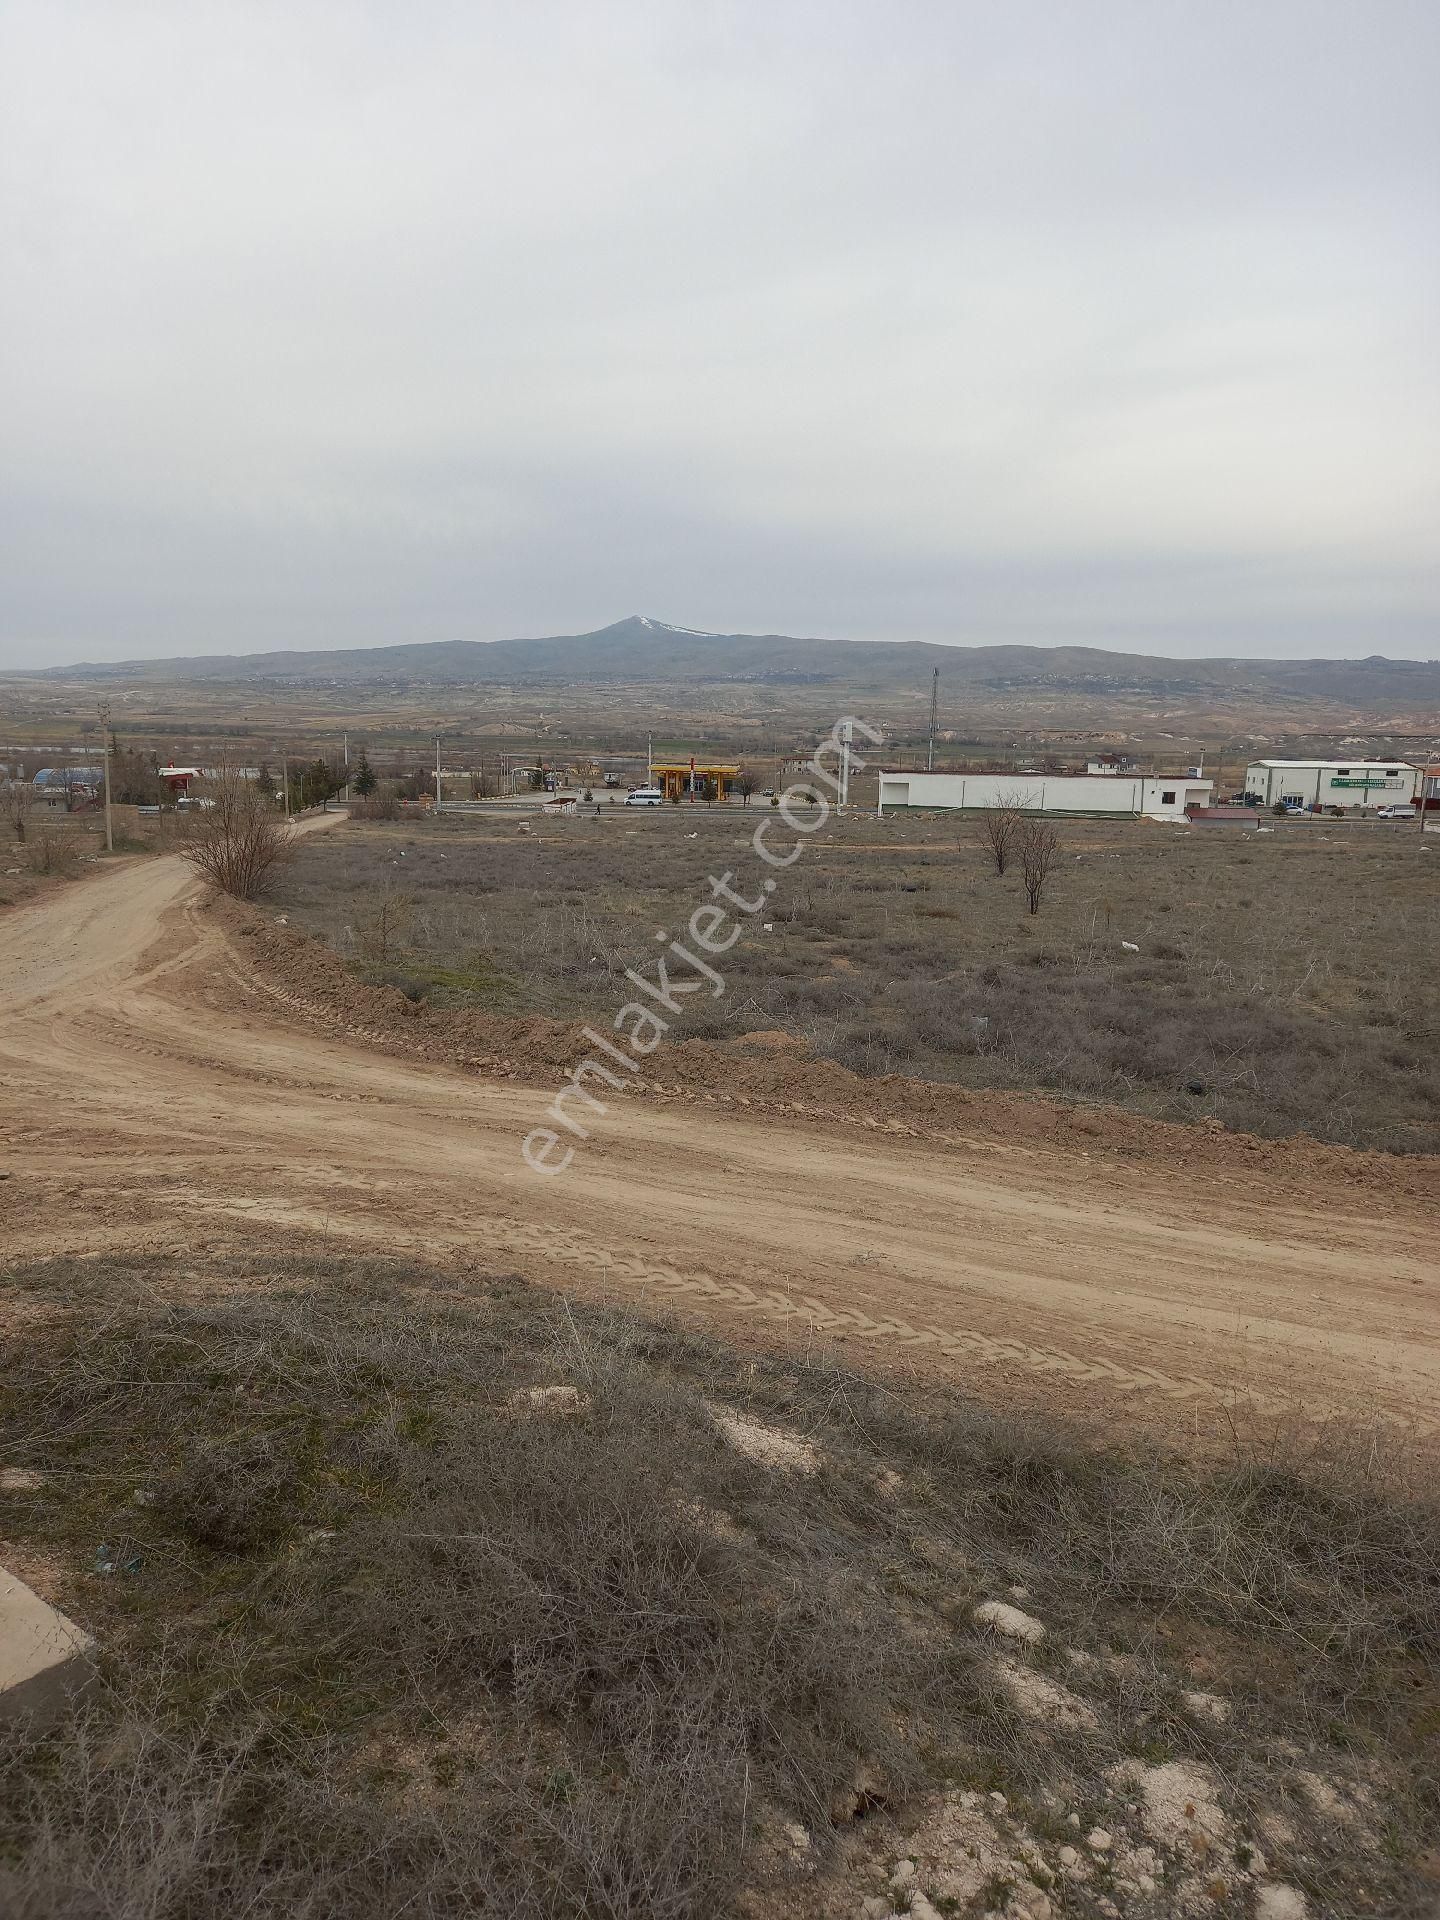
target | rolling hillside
[{"x": 640, "y": 650}]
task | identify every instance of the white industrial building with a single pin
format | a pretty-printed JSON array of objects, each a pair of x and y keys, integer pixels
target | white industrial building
[
  {"x": 1331, "y": 783},
  {"x": 1148, "y": 796}
]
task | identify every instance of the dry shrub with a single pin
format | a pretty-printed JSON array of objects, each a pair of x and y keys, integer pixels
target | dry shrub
[
  {"x": 376, "y": 806},
  {"x": 1038, "y": 845},
  {"x": 51, "y": 852},
  {"x": 239, "y": 841},
  {"x": 999, "y": 823}
]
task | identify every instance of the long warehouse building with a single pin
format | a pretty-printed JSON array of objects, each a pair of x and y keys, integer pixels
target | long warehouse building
[
  {"x": 1147, "y": 796},
  {"x": 1331, "y": 783}
]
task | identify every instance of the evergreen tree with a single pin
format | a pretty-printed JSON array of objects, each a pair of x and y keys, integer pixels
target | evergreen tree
[{"x": 365, "y": 781}]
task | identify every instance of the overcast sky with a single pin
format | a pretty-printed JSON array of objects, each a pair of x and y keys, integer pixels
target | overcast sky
[{"x": 335, "y": 324}]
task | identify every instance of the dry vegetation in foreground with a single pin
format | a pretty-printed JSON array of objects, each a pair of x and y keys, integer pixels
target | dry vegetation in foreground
[
  {"x": 60, "y": 846},
  {"x": 421, "y": 1595},
  {"x": 1279, "y": 985}
]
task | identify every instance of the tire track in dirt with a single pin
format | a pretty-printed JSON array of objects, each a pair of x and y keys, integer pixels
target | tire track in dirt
[
  {"x": 162, "y": 1065},
  {"x": 700, "y": 1295}
]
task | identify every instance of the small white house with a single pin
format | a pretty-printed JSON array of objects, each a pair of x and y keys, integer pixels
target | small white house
[
  {"x": 1148, "y": 796},
  {"x": 1331, "y": 783}
]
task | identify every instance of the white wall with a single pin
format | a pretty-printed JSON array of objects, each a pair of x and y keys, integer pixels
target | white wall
[
  {"x": 1334, "y": 783},
  {"x": 1135, "y": 795}
]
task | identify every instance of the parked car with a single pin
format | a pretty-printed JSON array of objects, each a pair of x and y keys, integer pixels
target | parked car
[
  {"x": 645, "y": 797},
  {"x": 1402, "y": 811}
]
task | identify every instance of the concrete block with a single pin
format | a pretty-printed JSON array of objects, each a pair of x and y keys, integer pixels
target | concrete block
[{"x": 45, "y": 1659}]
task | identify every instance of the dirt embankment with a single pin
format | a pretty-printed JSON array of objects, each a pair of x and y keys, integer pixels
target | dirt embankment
[{"x": 772, "y": 1073}]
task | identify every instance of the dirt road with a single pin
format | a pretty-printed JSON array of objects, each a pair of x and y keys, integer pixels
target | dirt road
[{"x": 152, "y": 1094}]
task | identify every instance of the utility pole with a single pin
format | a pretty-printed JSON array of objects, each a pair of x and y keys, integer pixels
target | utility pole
[
  {"x": 105, "y": 750},
  {"x": 345, "y": 750},
  {"x": 934, "y": 703},
  {"x": 649, "y": 759},
  {"x": 847, "y": 734},
  {"x": 437, "y": 774}
]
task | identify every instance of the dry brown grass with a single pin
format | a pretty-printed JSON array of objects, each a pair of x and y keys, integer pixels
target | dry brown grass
[
  {"x": 1277, "y": 984},
  {"x": 396, "y": 1637}
]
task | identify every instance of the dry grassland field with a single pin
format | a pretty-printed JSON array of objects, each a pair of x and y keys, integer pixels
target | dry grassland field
[
  {"x": 1279, "y": 982},
  {"x": 882, "y": 1477}
]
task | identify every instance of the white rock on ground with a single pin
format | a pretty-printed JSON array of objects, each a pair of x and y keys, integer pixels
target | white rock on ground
[
  {"x": 20, "y": 1480},
  {"x": 768, "y": 1446},
  {"x": 1042, "y": 1698},
  {"x": 1098, "y": 1840},
  {"x": 1010, "y": 1621},
  {"x": 556, "y": 1399},
  {"x": 45, "y": 1659},
  {"x": 1207, "y": 1706},
  {"x": 1280, "y": 1903},
  {"x": 902, "y": 1873}
]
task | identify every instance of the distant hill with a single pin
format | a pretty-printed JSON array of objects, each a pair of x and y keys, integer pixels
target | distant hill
[{"x": 639, "y": 650}]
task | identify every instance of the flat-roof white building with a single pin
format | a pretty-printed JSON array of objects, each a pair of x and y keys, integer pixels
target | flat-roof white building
[
  {"x": 1148, "y": 796},
  {"x": 1331, "y": 783}
]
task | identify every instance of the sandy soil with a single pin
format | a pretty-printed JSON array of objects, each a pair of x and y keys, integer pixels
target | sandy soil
[{"x": 157, "y": 1090}]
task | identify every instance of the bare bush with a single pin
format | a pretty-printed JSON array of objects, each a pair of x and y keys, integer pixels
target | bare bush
[
  {"x": 1038, "y": 846},
  {"x": 377, "y": 805},
  {"x": 238, "y": 840},
  {"x": 999, "y": 824},
  {"x": 51, "y": 852},
  {"x": 388, "y": 923}
]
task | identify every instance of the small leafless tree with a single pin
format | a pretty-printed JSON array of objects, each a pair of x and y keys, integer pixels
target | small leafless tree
[
  {"x": 745, "y": 784},
  {"x": 17, "y": 797},
  {"x": 389, "y": 922},
  {"x": 237, "y": 839},
  {"x": 1037, "y": 846},
  {"x": 999, "y": 824}
]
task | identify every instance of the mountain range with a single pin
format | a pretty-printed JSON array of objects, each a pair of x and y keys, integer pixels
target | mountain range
[{"x": 641, "y": 650}]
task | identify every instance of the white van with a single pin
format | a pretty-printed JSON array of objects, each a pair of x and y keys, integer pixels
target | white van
[{"x": 645, "y": 797}]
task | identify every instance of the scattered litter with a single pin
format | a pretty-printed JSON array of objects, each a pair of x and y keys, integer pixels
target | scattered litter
[
  {"x": 282, "y": 919},
  {"x": 119, "y": 1559},
  {"x": 1130, "y": 946}
]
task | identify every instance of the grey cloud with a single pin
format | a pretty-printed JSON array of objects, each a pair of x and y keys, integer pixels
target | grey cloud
[{"x": 328, "y": 324}]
